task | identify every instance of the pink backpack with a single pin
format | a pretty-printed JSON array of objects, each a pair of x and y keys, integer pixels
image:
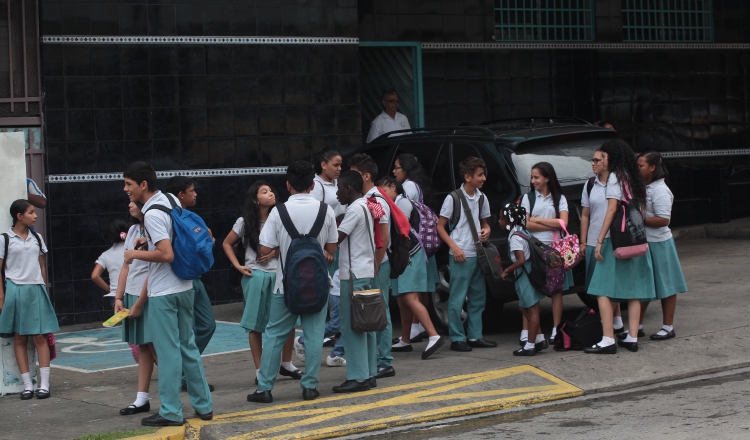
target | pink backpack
[{"x": 568, "y": 247}]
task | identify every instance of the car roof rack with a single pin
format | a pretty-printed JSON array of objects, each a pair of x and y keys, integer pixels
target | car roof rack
[
  {"x": 538, "y": 121},
  {"x": 462, "y": 130}
]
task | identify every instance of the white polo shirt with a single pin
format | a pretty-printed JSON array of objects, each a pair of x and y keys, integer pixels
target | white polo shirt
[
  {"x": 659, "y": 201},
  {"x": 597, "y": 204},
  {"x": 250, "y": 255},
  {"x": 161, "y": 278},
  {"x": 544, "y": 207},
  {"x": 386, "y": 219},
  {"x": 462, "y": 233},
  {"x": 357, "y": 224},
  {"x": 22, "y": 264},
  {"x": 112, "y": 260},
  {"x": 303, "y": 209},
  {"x": 138, "y": 270},
  {"x": 516, "y": 243},
  {"x": 614, "y": 189},
  {"x": 384, "y": 124},
  {"x": 404, "y": 204},
  {"x": 412, "y": 191},
  {"x": 326, "y": 192}
]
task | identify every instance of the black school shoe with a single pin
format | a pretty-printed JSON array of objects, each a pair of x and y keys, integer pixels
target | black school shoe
[
  {"x": 460, "y": 346},
  {"x": 27, "y": 395},
  {"x": 632, "y": 346},
  {"x": 624, "y": 334},
  {"x": 352, "y": 386},
  {"x": 597, "y": 349},
  {"x": 260, "y": 397},
  {"x": 132, "y": 409},
  {"x": 482, "y": 343},
  {"x": 207, "y": 416},
  {"x": 310, "y": 393},
  {"x": 158, "y": 421},
  {"x": 539, "y": 346},
  {"x": 658, "y": 337},
  {"x": 42, "y": 394},
  {"x": 296, "y": 374},
  {"x": 428, "y": 352},
  {"x": 384, "y": 372},
  {"x": 524, "y": 352},
  {"x": 402, "y": 349}
]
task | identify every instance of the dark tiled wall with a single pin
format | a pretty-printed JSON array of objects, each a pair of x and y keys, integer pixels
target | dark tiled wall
[{"x": 183, "y": 107}]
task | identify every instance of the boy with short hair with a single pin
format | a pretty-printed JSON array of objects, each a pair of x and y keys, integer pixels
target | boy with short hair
[
  {"x": 205, "y": 324},
  {"x": 366, "y": 166},
  {"x": 170, "y": 319},
  {"x": 467, "y": 280},
  {"x": 281, "y": 321}
]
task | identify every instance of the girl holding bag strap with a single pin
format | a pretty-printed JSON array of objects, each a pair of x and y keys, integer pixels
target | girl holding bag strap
[{"x": 549, "y": 205}]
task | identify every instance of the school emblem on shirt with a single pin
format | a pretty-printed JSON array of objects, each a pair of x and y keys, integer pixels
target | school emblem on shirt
[{"x": 403, "y": 124}]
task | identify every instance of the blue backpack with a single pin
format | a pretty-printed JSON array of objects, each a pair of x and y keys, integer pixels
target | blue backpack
[
  {"x": 193, "y": 247},
  {"x": 306, "y": 290}
]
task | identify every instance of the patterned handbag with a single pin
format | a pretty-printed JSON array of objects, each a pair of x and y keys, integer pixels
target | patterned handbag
[{"x": 568, "y": 246}]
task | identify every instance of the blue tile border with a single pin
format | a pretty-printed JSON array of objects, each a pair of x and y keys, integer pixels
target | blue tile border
[{"x": 219, "y": 172}]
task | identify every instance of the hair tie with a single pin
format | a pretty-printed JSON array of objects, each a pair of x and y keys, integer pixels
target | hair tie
[{"x": 123, "y": 236}]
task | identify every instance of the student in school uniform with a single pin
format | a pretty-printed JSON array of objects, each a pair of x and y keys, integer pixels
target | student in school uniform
[
  {"x": 258, "y": 274},
  {"x": 668, "y": 277},
  {"x": 327, "y": 170},
  {"x": 111, "y": 260},
  {"x": 409, "y": 172},
  {"x": 365, "y": 165},
  {"x": 549, "y": 205},
  {"x": 513, "y": 219},
  {"x": 281, "y": 321},
  {"x": 132, "y": 294},
  {"x": 183, "y": 188},
  {"x": 357, "y": 272},
  {"x": 413, "y": 282},
  {"x": 171, "y": 321},
  {"x": 619, "y": 279},
  {"x": 26, "y": 308},
  {"x": 594, "y": 204},
  {"x": 467, "y": 280}
]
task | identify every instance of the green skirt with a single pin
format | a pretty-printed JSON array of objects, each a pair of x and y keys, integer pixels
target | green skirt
[
  {"x": 258, "y": 291},
  {"x": 622, "y": 279},
  {"x": 668, "y": 277},
  {"x": 590, "y": 266},
  {"x": 527, "y": 294},
  {"x": 432, "y": 273},
  {"x": 135, "y": 331},
  {"x": 27, "y": 311},
  {"x": 414, "y": 279}
]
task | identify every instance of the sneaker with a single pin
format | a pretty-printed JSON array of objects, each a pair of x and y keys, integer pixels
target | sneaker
[
  {"x": 336, "y": 361},
  {"x": 299, "y": 349},
  {"x": 328, "y": 342}
]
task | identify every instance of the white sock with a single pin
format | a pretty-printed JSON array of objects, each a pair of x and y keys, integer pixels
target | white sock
[
  {"x": 44, "y": 372},
  {"x": 554, "y": 333},
  {"x": 524, "y": 335},
  {"x": 640, "y": 326},
  {"x": 414, "y": 331},
  {"x": 618, "y": 322},
  {"x": 289, "y": 366},
  {"x": 257, "y": 373},
  {"x": 606, "y": 342},
  {"x": 27, "y": 385},
  {"x": 400, "y": 343},
  {"x": 665, "y": 329},
  {"x": 140, "y": 399},
  {"x": 433, "y": 340},
  {"x": 539, "y": 338},
  {"x": 529, "y": 346},
  {"x": 630, "y": 339},
  {"x": 421, "y": 329},
  {"x": 472, "y": 340}
]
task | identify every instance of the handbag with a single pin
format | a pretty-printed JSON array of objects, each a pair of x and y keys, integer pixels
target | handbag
[
  {"x": 368, "y": 311},
  {"x": 628, "y": 230},
  {"x": 488, "y": 256},
  {"x": 568, "y": 246},
  {"x": 51, "y": 344}
]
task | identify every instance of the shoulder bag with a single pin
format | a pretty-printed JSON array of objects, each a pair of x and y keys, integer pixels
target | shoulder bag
[
  {"x": 368, "y": 311},
  {"x": 488, "y": 256}
]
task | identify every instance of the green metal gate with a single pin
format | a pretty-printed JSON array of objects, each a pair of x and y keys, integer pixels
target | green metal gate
[{"x": 391, "y": 65}]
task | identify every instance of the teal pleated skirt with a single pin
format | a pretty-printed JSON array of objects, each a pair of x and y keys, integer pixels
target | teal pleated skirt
[
  {"x": 590, "y": 265},
  {"x": 135, "y": 331},
  {"x": 257, "y": 291},
  {"x": 432, "y": 273},
  {"x": 415, "y": 278},
  {"x": 527, "y": 294},
  {"x": 568, "y": 280},
  {"x": 668, "y": 277},
  {"x": 27, "y": 311},
  {"x": 622, "y": 279}
]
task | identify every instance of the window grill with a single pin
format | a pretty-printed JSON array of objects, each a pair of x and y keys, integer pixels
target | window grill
[
  {"x": 544, "y": 20},
  {"x": 667, "y": 20},
  {"x": 20, "y": 87}
]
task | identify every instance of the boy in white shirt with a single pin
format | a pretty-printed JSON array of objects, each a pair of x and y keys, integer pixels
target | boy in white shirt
[
  {"x": 171, "y": 322},
  {"x": 281, "y": 321},
  {"x": 357, "y": 272},
  {"x": 367, "y": 167},
  {"x": 467, "y": 280}
]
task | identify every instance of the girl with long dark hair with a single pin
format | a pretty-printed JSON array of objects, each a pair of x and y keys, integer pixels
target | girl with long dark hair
[
  {"x": 26, "y": 308},
  {"x": 545, "y": 211},
  {"x": 258, "y": 274},
  {"x": 630, "y": 279}
]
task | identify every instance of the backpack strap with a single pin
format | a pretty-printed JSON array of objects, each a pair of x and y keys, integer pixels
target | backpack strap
[
  {"x": 38, "y": 241},
  {"x": 467, "y": 210},
  {"x": 286, "y": 220},
  {"x": 590, "y": 185},
  {"x": 457, "y": 210},
  {"x": 6, "y": 239},
  {"x": 532, "y": 200},
  {"x": 319, "y": 220}
]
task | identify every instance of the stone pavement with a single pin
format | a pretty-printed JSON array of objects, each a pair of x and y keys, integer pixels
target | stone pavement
[{"x": 712, "y": 335}]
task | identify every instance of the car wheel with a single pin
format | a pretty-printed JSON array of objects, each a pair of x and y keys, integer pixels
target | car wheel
[
  {"x": 439, "y": 301},
  {"x": 589, "y": 300}
]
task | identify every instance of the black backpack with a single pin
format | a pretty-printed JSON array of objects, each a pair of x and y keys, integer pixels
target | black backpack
[
  {"x": 6, "y": 239},
  {"x": 584, "y": 331}
]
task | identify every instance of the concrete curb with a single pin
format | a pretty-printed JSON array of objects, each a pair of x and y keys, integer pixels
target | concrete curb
[
  {"x": 738, "y": 229},
  {"x": 168, "y": 433}
]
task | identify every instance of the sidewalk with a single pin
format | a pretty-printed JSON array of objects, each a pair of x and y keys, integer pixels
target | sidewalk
[{"x": 712, "y": 335}]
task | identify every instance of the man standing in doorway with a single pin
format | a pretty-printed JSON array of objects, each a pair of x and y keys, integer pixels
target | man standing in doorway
[{"x": 389, "y": 119}]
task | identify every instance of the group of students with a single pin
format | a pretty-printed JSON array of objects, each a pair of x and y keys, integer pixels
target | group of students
[
  {"x": 619, "y": 175},
  {"x": 170, "y": 320}
]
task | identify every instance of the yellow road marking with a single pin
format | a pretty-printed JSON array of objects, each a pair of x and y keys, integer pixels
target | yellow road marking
[{"x": 425, "y": 393}]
